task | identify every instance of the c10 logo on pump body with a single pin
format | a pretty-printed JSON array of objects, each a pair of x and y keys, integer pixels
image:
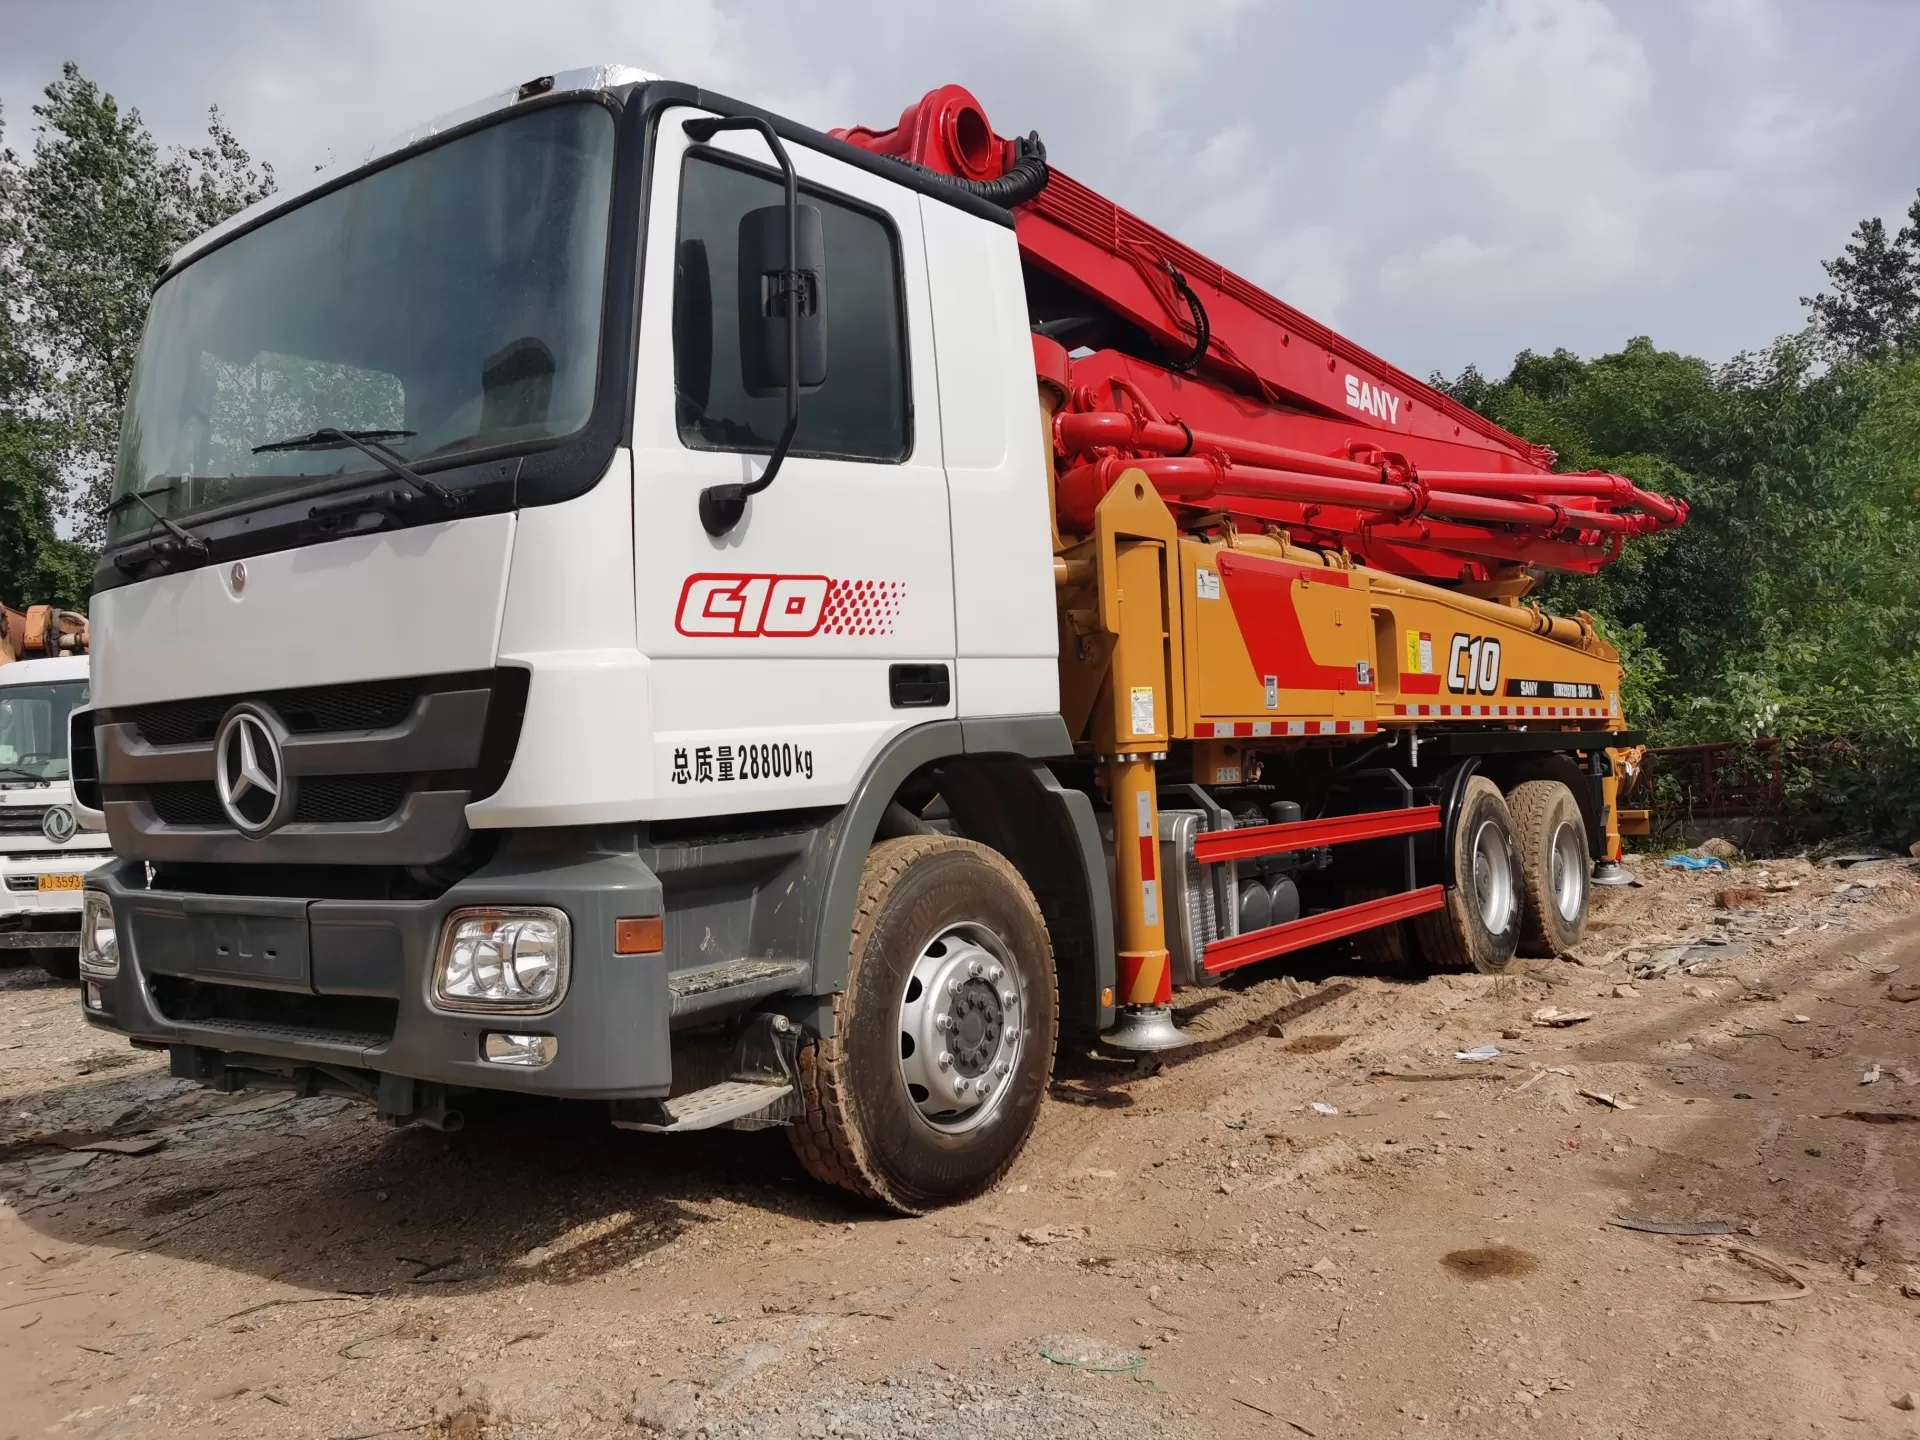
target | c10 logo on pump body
[
  {"x": 787, "y": 607},
  {"x": 1473, "y": 665}
]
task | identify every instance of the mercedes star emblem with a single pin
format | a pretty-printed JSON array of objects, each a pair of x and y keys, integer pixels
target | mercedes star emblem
[
  {"x": 249, "y": 771},
  {"x": 58, "y": 824},
  {"x": 237, "y": 577}
]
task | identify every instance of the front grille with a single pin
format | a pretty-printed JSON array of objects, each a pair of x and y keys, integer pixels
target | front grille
[
  {"x": 310, "y": 710},
  {"x": 322, "y": 800},
  {"x": 21, "y": 819},
  {"x": 187, "y": 802},
  {"x": 418, "y": 750},
  {"x": 362, "y": 1020},
  {"x": 348, "y": 799}
]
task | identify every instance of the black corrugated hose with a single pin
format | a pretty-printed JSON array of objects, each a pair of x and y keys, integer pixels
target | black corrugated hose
[{"x": 1026, "y": 179}]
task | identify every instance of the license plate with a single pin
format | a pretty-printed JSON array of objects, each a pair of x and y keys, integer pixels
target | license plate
[{"x": 62, "y": 882}]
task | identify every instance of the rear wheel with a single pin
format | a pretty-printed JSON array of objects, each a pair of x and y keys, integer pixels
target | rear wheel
[
  {"x": 1554, "y": 866},
  {"x": 1479, "y": 927},
  {"x": 943, "y": 1038}
]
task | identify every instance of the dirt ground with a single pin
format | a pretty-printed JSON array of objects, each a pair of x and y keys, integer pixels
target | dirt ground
[{"x": 1319, "y": 1222}]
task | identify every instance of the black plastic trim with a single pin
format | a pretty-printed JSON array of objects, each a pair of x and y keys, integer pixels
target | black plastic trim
[
  {"x": 1526, "y": 742},
  {"x": 912, "y": 687},
  {"x": 659, "y": 93}
]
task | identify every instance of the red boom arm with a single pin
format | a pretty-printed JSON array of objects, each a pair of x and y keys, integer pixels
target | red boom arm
[{"x": 1276, "y": 419}]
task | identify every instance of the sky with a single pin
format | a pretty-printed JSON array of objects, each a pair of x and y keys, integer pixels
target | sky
[{"x": 1446, "y": 181}]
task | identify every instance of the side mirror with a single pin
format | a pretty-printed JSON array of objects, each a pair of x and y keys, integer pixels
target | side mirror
[
  {"x": 798, "y": 296},
  {"x": 763, "y": 299}
]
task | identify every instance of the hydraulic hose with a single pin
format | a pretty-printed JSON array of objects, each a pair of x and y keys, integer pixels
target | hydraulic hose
[{"x": 1026, "y": 179}]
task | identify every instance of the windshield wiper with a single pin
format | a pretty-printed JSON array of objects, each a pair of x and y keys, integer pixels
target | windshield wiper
[
  {"x": 120, "y": 501},
  {"x": 331, "y": 439},
  {"x": 187, "y": 538},
  {"x": 24, "y": 773},
  {"x": 368, "y": 443}
]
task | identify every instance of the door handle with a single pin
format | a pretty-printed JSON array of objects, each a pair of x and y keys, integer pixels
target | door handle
[{"x": 917, "y": 687}]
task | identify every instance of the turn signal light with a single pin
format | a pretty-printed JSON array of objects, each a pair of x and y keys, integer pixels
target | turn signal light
[{"x": 644, "y": 935}]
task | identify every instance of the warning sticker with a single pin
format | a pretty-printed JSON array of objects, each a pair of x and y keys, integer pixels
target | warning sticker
[
  {"x": 1206, "y": 584},
  {"x": 1143, "y": 710},
  {"x": 1419, "y": 652}
]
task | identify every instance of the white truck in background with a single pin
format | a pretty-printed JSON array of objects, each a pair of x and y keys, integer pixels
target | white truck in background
[{"x": 44, "y": 855}]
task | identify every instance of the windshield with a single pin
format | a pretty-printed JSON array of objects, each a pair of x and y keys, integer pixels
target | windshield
[
  {"x": 455, "y": 296},
  {"x": 33, "y": 730}
]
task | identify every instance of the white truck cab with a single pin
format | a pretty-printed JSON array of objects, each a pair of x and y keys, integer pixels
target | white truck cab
[
  {"x": 452, "y": 738},
  {"x": 44, "y": 855}
]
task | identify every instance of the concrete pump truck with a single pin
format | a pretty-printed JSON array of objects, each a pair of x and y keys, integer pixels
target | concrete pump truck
[{"x": 619, "y": 595}]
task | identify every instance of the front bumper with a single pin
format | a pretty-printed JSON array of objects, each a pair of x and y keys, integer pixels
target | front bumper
[
  {"x": 344, "y": 983},
  {"x": 36, "y": 919}
]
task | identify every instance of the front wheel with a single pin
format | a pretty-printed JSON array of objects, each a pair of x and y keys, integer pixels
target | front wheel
[
  {"x": 943, "y": 1038},
  {"x": 1479, "y": 927}
]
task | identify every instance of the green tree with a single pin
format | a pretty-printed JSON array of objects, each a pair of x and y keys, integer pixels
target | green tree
[
  {"x": 1873, "y": 305},
  {"x": 96, "y": 215},
  {"x": 1788, "y": 606},
  {"x": 36, "y": 565}
]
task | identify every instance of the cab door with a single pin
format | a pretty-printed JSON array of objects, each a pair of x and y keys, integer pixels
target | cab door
[{"x": 786, "y": 652}]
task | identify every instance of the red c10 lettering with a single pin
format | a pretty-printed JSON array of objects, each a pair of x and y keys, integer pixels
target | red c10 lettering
[{"x": 787, "y": 606}]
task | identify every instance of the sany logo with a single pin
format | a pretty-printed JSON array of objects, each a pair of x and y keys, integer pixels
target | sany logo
[
  {"x": 787, "y": 606},
  {"x": 1372, "y": 399}
]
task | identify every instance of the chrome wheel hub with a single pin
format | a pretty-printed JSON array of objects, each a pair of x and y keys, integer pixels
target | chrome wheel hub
[
  {"x": 1493, "y": 877},
  {"x": 962, "y": 1027},
  {"x": 1568, "y": 874}
]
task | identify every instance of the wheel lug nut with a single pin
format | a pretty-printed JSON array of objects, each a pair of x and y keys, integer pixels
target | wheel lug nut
[
  {"x": 961, "y": 1086},
  {"x": 975, "y": 969},
  {"x": 1008, "y": 998},
  {"x": 986, "y": 1088},
  {"x": 994, "y": 974},
  {"x": 1002, "y": 1069},
  {"x": 953, "y": 987},
  {"x": 943, "y": 1022},
  {"x": 944, "y": 1060}
]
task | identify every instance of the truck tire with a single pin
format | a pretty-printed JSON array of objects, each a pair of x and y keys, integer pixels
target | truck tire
[
  {"x": 950, "y": 988},
  {"x": 1554, "y": 866},
  {"x": 1479, "y": 927}
]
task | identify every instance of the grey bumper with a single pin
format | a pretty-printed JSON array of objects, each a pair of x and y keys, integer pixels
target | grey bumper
[{"x": 345, "y": 982}]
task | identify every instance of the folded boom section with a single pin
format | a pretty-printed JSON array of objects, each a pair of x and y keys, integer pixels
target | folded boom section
[{"x": 1236, "y": 404}]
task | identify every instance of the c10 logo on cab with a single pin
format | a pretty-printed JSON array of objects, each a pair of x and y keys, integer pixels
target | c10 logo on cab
[
  {"x": 1473, "y": 665},
  {"x": 746, "y": 605}
]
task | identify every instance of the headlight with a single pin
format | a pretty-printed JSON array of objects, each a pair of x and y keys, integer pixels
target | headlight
[
  {"x": 99, "y": 944},
  {"x": 502, "y": 960}
]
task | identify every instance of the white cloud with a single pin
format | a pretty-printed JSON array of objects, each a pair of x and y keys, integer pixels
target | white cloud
[
  {"x": 1518, "y": 160},
  {"x": 1444, "y": 179}
]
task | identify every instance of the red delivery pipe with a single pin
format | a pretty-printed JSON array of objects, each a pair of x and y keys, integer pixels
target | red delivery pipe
[
  {"x": 1077, "y": 433},
  {"x": 1115, "y": 429},
  {"x": 1617, "y": 488},
  {"x": 1195, "y": 478}
]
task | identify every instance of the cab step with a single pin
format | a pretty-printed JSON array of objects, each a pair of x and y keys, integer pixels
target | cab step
[
  {"x": 730, "y": 984},
  {"x": 720, "y": 1104}
]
